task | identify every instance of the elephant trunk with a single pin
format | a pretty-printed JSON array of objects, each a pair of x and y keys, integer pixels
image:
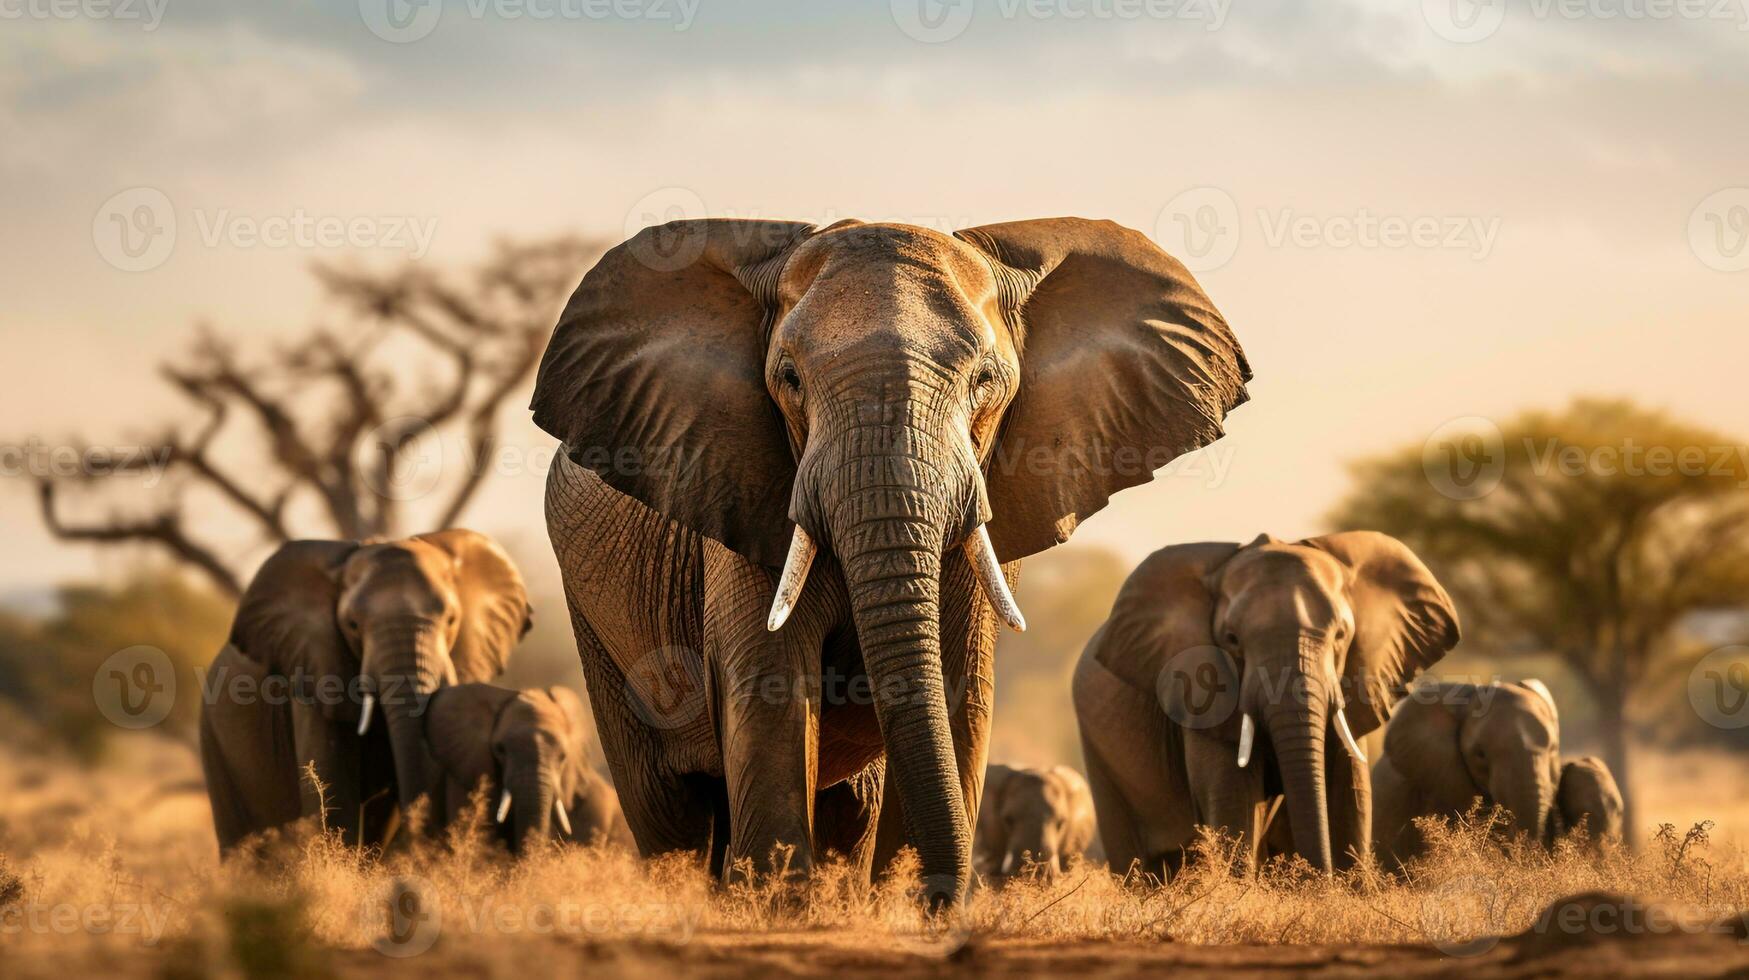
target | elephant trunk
[
  {"x": 1039, "y": 851},
  {"x": 890, "y": 509},
  {"x": 1296, "y": 725},
  {"x": 531, "y": 812},
  {"x": 402, "y": 667},
  {"x": 894, "y": 578},
  {"x": 1528, "y": 793}
]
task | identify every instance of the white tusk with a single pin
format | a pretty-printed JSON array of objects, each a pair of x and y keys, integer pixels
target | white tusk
[
  {"x": 983, "y": 556},
  {"x": 504, "y": 807},
  {"x": 563, "y": 817},
  {"x": 1348, "y": 738},
  {"x": 370, "y": 701},
  {"x": 1247, "y": 735},
  {"x": 795, "y": 575}
]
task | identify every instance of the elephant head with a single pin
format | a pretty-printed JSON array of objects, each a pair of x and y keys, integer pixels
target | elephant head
[
  {"x": 528, "y": 746},
  {"x": 1031, "y": 815},
  {"x": 896, "y": 397},
  {"x": 1318, "y": 637},
  {"x": 358, "y": 624},
  {"x": 1501, "y": 742},
  {"x": 1588, "y": 794}
]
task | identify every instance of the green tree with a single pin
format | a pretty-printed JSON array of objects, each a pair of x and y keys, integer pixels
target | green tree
[
  {"x": 48, "y": 666},
  {"x": 1588, "y": 533}
]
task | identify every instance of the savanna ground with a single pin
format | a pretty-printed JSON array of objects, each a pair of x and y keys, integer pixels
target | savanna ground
[{"x": 114, "y": 870}]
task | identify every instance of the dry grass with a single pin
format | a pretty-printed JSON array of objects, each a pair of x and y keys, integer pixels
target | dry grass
[{"x": 100, "y": 865}]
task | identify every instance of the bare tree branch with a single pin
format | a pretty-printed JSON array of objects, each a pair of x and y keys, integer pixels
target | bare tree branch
[
  {"x": 165, "y": 529},
  {"x": 334, "y": 412}
]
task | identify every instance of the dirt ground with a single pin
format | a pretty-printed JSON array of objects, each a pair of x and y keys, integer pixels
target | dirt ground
[
  {"x": 816, "y": 954},
  {"x": 112, "y": 872}
]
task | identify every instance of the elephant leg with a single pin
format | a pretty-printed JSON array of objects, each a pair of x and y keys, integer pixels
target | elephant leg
[
  {"x": 246, "y": 752},
  {"x": 1227, "y": 798},
  {"x": 845, "y": 816},
  {"x": 764, "y": 688},
  {"x": 1119, "y": 828},
  {"x": 968, "y": 662},
  {"x": 1135, "y": 768},
  {"x": 631, "y": 586},
  {"x": 1393, "y": 831},
  {"x": 333, "y": 752},
  {"x": 1350, "y": 800},
  {"x": 664, "y": 811}
]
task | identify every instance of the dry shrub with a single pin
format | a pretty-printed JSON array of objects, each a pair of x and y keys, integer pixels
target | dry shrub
[{"x": 301, "y": 896}]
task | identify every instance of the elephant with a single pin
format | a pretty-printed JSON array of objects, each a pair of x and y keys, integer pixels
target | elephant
[
  {"x": 800, "y": 466},
  {"x": 1039, "y": 816},
  {"x": 1451, "y": 743},
  {"x": 1209, "y": 646},
  {"x": 325, "y": 633},
  {"x": 530, "y": 749},
  {"x": 1588, "y": 794}
]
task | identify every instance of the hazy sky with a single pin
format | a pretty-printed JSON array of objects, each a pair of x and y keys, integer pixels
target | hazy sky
[{"x": 1410, "y": 212}]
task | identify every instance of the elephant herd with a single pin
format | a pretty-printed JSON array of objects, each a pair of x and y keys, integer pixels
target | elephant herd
[
  {"x": 410, "y": 631},
  {"x": 800, "y": 468}
]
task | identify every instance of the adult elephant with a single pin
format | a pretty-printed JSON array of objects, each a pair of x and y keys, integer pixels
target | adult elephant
[
  {"x": 894, "y": 416},
  {"x": 1041, "y": 817},
  {"x": 1452, "y": 744},
  {"x": 1208, "y": 646},
  {"x": 326, "y": 632}
]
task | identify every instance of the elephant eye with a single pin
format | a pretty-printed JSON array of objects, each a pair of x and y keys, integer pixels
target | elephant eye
[
  {"x": 986, "y": 376},
  {"x": 1231, "y": 639},
  {"x": 791, "y": 380}
]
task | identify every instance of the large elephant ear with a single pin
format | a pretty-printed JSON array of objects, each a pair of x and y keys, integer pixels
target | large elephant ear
[
  {"x": 1404, "y": 622},
  {"x": 287, "y": 619},
  {"x": 655, "y": 378},
  {"x": 1423, "y": 743},
  {"x": 459, "y": 726},
  {"x": 1160, "y": 638},
  {"x": 495, "y": 610},
  {"x": 1124, "y": 365}
]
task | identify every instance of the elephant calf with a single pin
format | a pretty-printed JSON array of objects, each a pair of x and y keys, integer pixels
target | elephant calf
[
  {"x": 1448, "y": 744},
  {"x": 1041, "y": 816},
  {"x": 1588, "y": 794},
  {"x": 529, "y": 747}
]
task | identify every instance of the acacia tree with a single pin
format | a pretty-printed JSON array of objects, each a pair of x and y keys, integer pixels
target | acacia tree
[
  {"x": 333, "y": 413},
  {"x": 1590, "y": 533}
]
